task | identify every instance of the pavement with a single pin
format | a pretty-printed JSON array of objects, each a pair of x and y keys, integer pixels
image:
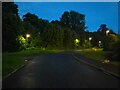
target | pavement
[
  {"x": 61, "y": 70},
  {"x": 105, "y": 67}
]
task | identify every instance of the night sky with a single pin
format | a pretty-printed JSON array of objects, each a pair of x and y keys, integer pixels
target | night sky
[{"x": 96, "y": 13}]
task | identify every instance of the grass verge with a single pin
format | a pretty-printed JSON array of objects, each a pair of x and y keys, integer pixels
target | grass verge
[
  {"x": 97, "y": 55},
  {"x": 12, "y": 61}
]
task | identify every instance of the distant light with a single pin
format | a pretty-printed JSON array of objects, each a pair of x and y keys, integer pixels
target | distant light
[
  {"x": 90, "y": 38},
  {"x": 77, "y": 40},
  {"x": 107, "y": 32},
  {"x": 27, "y": 35},
  {"x": 99, "y": 41}
]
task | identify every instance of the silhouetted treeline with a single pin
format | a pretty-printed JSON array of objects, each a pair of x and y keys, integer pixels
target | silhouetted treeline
[{"x": 52, "y": 35}]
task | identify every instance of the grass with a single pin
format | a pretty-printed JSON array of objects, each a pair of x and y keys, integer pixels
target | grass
[
  {"x": 93, "y": 54},
  {"x": 12, "y": 61},
  {"x": 97, "y": 55}
]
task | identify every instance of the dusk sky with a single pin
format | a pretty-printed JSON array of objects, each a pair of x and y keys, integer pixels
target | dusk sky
[{"x": 96, "y": 13}]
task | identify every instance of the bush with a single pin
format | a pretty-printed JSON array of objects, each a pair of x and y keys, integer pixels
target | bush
[
  {"x": 22, "y": 41},
  {"x": 114, "y": 55}
]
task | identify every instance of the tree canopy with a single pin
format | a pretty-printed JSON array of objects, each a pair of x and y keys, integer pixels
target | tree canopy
[
  {"x": 11, "y": 26},
  {"x": 59, "y": 34}
]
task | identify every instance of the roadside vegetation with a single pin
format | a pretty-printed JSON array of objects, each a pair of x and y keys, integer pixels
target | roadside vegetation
[
  {"x": 32, "y": 35},
  {"x": 12, "y": 61},
  {"x": 98, "y": 55},
  {"x": 95, "y": 54}
]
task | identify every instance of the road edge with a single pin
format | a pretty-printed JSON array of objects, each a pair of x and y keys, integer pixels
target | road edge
[
  {"x": 14, "y": 71},
  {"x": 99, "y": 68}
]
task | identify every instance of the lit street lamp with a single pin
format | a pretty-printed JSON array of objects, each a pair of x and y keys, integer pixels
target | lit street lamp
[
  {"x": 100, "y": 43},
  {"x": 76, "y": 42},
  {"x": 27, "y": 36},
  {"x": 90, "y": 38},
  {"x": 107, "y": 32}
]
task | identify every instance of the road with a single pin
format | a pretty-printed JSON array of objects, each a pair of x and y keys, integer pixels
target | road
[{"x": 59, "y": 70}]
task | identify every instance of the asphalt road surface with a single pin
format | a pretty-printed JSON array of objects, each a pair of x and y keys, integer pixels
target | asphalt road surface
[{"x": 59, "y": 70}]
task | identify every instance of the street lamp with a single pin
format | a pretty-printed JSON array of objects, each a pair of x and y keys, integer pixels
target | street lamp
[
  {"x": 27, "y": 36},
  {"x": 100, "y": 43},
  {"x": 76, "y": 42},
  {"x": 90, "y": 38},
  {"x": 107, "y": 31}
]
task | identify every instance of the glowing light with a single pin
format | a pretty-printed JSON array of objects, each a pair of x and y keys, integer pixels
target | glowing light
[
  {"x": 107, "y": 32},
  {"x": 100, "y": 42},
  {"x": 27, "y": 35},
  {"x": 77, "y": 40},
  {"x": 90, "y": 38}
]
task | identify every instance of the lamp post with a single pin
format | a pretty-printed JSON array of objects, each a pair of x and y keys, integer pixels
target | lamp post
[
  {"x": 107, "y": 31},
  {"x": 90, "y": 38},
  {"x": 27, "y": 36},
  {"x": 76, "y": 42},
  {"x": 100, "y": 43}
]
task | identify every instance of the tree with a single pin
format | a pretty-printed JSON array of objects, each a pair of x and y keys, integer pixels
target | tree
[
  {"x": 103, "y": 36},
  {"x": 31, "y": 21},
  {"x": 58, "y": 34},
  {"x": 53, "y": 34},
  {"x": 22, "y": 41},
  {"x": 36, "y": 27},
  {"x": 67, "y": 38},
  {"x": 75, "y": 21},
  {"x": 72, "y": 20},
  {"x": 11, "y": 26},
  {"x": 35, "y": 21},
  {"x": 114, "y": 47},
  {"x": 31, "y": 18}
]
